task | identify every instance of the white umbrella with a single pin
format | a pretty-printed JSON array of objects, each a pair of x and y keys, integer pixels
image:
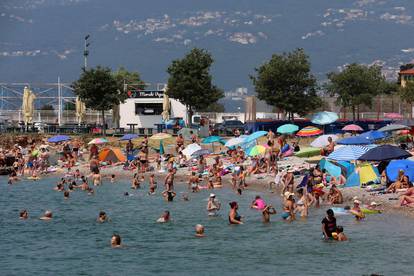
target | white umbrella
[
  {"x": 235, "y": 141},
  {"x": 322, "y": 141},
  {"x": 191, "y": 149}
]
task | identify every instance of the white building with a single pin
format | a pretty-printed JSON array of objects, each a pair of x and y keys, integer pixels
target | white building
[{"x": 144, "y": 108}]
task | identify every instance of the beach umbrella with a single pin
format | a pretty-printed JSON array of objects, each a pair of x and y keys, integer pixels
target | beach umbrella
[
  {"x": 235, "y": 142},
  {"x": 385, "y": 153},
  {"x": 373, "y": 135},
  {"x": 349, "y": 153},
  {"x": 393, "y": 116},
  {"x": 255, "y": 135},
  {"x": 211, "y": 140},
  {"x": 324, "y": 118},
  {"x": 98, "y": 141},
  {"x": 256, "y": 150},
  {"x": 322, "y": 141},
  {"x": 186, "y": 132},
  {"x": 162, "y": 151},
  {"x": 113, "y": 155},
  {"x": 393, "y": 127},
  {"x": 352, "y": 127},
  {"x": 287, "y": 129},
  {"x": 200, "y": 152},
  {"x": 355, "y": 140},
  {"x": 127, "y": 137},
  {"x": 160, "y": 136},
  {"x": 58, "y": 139},
  {"x": 309, "y": 131},
  {"x": 330, "y": 168},
  {"x": 190, "y": 149},
  {"x": 363, "y": 174},
  {"x": 396, "y": 165},
  {"x": 404, "y": 132}
]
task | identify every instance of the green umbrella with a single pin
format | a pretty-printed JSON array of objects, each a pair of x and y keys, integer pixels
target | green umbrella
[
  {"x": 162, "y": 151},
  {"x": 287, "y": 129}
]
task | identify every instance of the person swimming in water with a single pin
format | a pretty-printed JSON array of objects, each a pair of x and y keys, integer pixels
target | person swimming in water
[
  {"x": 47, "y": 215},
  {"x": 213, "y": 205},
  {"x": 234, "y": 217},
  {"x": 267, "y": 211},
  {"x": 356, "y": 210},
  {"x": 116, "y": 241},
  {"x": 258, "y": 203},
  {"x": 66, "y": 194},
  {"x": 165, "y": 217},
  {"x": 340, "y": 236},
  {"x": 24, "y": 214},
  {"x": 102, "y": 217},
  {"x": 112, "y": 179},
  {"x": 199, "y": 229}
]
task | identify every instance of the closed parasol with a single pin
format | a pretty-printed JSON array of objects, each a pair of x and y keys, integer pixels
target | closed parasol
[
  {"x": 80, "y": 110},
  {"x": 166, "y": 105}
]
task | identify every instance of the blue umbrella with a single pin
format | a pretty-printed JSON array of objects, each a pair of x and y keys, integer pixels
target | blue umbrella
[
  {"x": 127, "y": 137},
  {"x": 396, "y": 165},
  {"x": 287, "y": 129},
  {"x": 349, "y": 153},
  {"x": 373, "y": 135},
  {"x": 384, "y": 153},
  {"x": 355, "y": 140},
  {"x": 200, "y": 153},
  {"x": 58, "y": 138},
  {"x": 211, "y": 139},
  {"x": 255, "y": 135},
  {"x": 162, "y": 151},
  {"x": 324, "y": 118}
]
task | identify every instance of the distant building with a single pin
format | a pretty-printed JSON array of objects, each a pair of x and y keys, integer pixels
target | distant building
[{"x": 406, "y": 75}]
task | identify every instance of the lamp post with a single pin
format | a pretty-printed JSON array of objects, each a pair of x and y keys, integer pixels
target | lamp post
[{"x": 86, "y": 51}]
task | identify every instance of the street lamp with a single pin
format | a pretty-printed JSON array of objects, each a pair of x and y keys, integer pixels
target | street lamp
[{"x": 86, "y": 51}]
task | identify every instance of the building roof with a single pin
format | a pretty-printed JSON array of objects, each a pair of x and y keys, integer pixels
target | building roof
[{"x": 407, "y": 72}]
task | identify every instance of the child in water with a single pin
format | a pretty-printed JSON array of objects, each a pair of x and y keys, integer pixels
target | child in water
[
  {"x": 112, "y": 178},
  {"x": 339, "y": 234}
]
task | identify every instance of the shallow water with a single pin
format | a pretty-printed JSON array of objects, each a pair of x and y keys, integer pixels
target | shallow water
[{"x": 74, "y": 244}]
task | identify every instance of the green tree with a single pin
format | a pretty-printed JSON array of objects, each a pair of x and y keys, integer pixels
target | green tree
[
  {"x": 123, "y": 76},
  {"x": 407, "y": 94},
  {"x": 98, "y": 89},
  {"x": 47, "y": 107},
  {"x": 357, "y": 84},
  {"x": 190, "y": 81},
  {"x": 69, "y": 106},
  {"x": 285, "y": 82}
]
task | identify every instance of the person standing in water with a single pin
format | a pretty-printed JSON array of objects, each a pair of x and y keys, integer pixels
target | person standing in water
[
  {"x": 213, "y": 205},
  {"x": 152, "y": 185},
  {"x": 329, "y": 224},
  {"x": 289, "y": 207},
  {"x": 169, "y": 195},
  {"x": 258, "y": 203},
  {"x": 234, "y": 217},
  {"x": 169, "y": 180},
  {"x": 193, "y": 182},
  {"x": 267, "y": 211}
]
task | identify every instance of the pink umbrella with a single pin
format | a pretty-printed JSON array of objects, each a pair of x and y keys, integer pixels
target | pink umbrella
[
  {"x": 352, "y": 128},
  {"x": 393, "y": 116}
]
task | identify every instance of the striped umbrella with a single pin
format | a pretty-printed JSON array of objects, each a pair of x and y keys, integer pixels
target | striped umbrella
[
  {"x": 98, "y": 141},
  {"x": 309, "y": 131},
  {"x": 349, "y": 153}
]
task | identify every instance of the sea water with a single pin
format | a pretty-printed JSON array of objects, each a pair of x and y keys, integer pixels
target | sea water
[{"x": 73, "y": 243}]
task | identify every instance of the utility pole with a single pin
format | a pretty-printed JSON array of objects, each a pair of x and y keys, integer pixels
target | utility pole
[{"x": 86, "y": 51}]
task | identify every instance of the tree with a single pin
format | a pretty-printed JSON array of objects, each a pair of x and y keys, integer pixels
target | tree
[
  {"x": 123, "y": 76},
  {"x": 407, "y": 94},
  {"x": 98, "y": 89},
  {"x": 47, "y": 107},
  {"x": 190, "y": 81},
  {"x": 69, "y": 106},
  {"x": 285, "y": 82},
  {"x": 357, "y": 84}
]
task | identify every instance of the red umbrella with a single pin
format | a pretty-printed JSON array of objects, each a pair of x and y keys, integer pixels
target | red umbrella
[
  {"x": 352, "y": 128},
  {"x": 393, "y": 116}
]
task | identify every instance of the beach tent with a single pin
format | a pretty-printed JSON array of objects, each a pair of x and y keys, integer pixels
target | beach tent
[
  {"x": 348, "y": 166},
  {"x": 349, "y": 153},
  {"x": 385, "y": 153},
  {"x": 355, "y": 140},
  {"x": 324, "y": 118},
  {"x": 363, "y": 174},
  {"x": 113, "y": 155},
  {"x": 330, "y": 168},
  {"x": 373, "y": 135},
  {"x": 322, "y": 141},
  {"x": 396, "y": 165}
]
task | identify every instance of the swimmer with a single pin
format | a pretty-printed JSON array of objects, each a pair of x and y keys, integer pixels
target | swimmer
[
  {"x": 102, "y": 217},
  {"x": 267, "y": 211},
  {"x": 356, "y": 210},
  {"x": 258, "y": 203},
  {"x": 193, "y": 182},
  {"x": 329, "y": 224},
  {"x": 234, "y": 217},
  {"x": 66, "y": 194},
  {"x": 24, "y": 214},
  {"x": 199, "y": 229},
  {"x": 112, "y": 178},
  {"x": 135, "y": 182},
  {"x": 340, "y": 236},
  {"x": 289, "y": 207},
  {"x": 239, "y": 191},
  {"x": 165, "y": 217},
  {"x": 169, "y": 195},
  {"x": 91, "y": 191},
  {"x": 213, "y": 205},
  {"x": 116, "y": 241},
  {"x": 126, "y": 194},
  {"x": 47, "y": 216},
  {"x": 185, "y": 197}
]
